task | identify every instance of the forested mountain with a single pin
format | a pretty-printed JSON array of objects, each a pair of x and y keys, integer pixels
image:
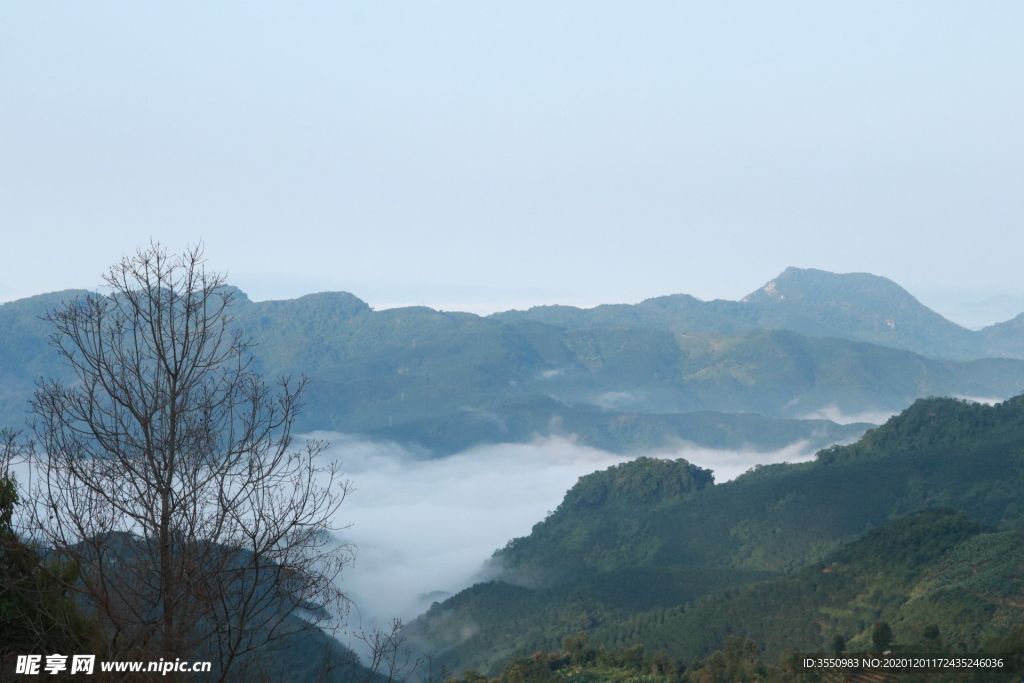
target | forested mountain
[
  {"x": 930, "y": 569},
  {"x": 854, "y": 306},
  {"x": 939, "y": 581},
  {"x": 446, "y": 380},
  {"x": 627, "y": 541},
  {"x": 1005, "y": 337},
  {"x": 24, "y": 353}
]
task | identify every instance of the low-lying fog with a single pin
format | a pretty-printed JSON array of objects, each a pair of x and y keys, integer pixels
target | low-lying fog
[
  {"x": 424, "y": 528},
  {"x": 835, "y": 414}
]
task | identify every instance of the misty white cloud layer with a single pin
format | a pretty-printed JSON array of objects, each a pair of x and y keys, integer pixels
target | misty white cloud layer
[
  {"x": 980, "y": 399},
  {"x": 424, "y": 528},
  {"x": 835, "y": 414}
]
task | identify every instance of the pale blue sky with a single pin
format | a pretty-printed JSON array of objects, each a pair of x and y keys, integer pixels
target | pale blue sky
[{"x": 486, "y": 154}]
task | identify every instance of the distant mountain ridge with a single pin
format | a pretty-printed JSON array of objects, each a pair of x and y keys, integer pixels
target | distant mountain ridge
[
  {"x": 610, "y": 375},
  {"x": 853, "y": 306}
]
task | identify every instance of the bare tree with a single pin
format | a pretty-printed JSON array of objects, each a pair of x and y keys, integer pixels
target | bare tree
[
  {"x": 169, "y": 476},
  {"x": 390, "y": 658}
]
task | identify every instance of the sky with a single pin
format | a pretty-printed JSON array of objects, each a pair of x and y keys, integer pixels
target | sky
[{"x": 483, "y": 156}]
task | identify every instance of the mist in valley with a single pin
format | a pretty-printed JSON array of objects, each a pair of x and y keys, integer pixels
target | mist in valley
[
  {"x": 424, "y": 528},
  {"x": 836, "y": 414}
]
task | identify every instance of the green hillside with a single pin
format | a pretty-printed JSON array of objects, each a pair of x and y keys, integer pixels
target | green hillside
[
  {"x": 903, "y": 573},
  {"x": 649, "y": 522},
  {"x": 485, "y": 625},
  {"x": 933, "y": 580},
  {"x": 935, "y": 577}
]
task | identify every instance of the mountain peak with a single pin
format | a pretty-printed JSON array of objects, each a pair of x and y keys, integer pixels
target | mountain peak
[
  {"x": 238, "y": 297},
  {"x": 858, "y": 306},
  {"x": 811, "y": 283}
]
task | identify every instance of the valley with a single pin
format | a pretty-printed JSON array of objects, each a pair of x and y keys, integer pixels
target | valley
[{"x": 710, "y": 489}]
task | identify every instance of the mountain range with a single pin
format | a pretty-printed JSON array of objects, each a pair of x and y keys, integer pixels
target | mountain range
[
  {"x": 854, "y": 306},
  {"x": 916, "y": 522},
  {"x": 809, "y": 344}
]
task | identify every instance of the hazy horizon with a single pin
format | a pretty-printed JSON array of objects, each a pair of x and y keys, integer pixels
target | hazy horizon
[
  {"x": 463, "y": 155},
  {"x": 970, "y": 308}
]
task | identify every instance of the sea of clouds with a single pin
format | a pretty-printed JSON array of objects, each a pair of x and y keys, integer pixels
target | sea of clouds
[{"x": 423, "y": 529}]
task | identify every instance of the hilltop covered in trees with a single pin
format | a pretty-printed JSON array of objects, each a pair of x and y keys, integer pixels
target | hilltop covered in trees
[{"x": 918, "y": 525}]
